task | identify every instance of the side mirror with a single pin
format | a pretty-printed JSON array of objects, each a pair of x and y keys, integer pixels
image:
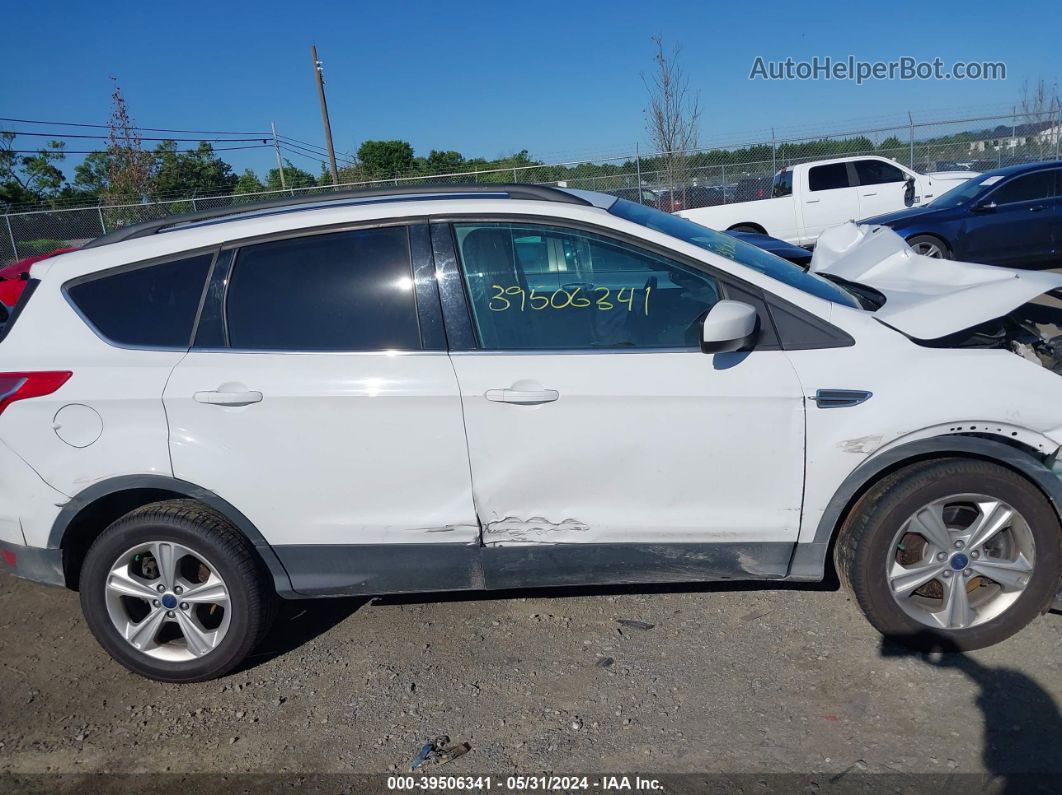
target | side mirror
[
  {"x": 909, "y": 192},
  {"x": 729, "y": 326},
  {"x": 984, "y": 207}
]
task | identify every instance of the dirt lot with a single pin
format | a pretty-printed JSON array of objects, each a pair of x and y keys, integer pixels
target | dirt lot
[{"x": 727, "y": 678}]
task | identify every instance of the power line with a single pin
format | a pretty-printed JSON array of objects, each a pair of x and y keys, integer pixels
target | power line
[
  {"x": 289, "y": 151},
  {"x": 146, "y": 129},
  {"x": 312, "y": 145},
  {"x": 106, "y": 137},
  {"x": 308, "y": 153},
  {"x": 104, "y": 151}
]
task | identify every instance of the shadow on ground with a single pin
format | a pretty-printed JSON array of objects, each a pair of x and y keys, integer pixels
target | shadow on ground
[
  {"x": 300, "y": 621},
  {"x": 1022, "y": 724}
]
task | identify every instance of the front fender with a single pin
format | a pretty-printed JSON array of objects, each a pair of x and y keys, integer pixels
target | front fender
[{"x": 809, "y": 558}]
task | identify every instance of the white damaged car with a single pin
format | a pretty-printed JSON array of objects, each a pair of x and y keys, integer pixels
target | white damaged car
[{"x": 469, "y": 387}]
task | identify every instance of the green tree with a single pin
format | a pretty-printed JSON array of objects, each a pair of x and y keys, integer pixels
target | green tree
[
  {"x": 248, "y": 182},
  {"x": 293, "y": 177},
  {"x": 92, "y": 174},
  {"x": 386, "y": 158},
  {"x": 29, "y": 179},
  {"x": 199, "y": 172},
  {"x": 448, "y": 162}
]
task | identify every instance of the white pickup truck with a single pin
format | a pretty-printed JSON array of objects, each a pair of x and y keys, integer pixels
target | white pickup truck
[{"x": 809, "y": 197}]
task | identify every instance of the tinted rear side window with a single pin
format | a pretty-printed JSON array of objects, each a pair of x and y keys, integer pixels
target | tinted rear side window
[
  {"x": 830, "y": 177},
  {"x": 347, "y": 291},
  {"x": 1029, "y": 187},
  {"x": 154, "y": 305}
]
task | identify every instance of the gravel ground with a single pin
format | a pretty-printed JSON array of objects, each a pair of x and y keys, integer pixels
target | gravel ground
[{"x": 726, "y": 678}]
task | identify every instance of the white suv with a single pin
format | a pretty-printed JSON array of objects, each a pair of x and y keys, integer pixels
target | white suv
[{"x": 478, "y": 387}]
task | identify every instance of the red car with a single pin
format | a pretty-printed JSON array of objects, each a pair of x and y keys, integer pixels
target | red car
[{"x": 13, "y": 277}]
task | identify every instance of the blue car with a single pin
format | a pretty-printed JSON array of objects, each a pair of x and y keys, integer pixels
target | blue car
[
  {"x": 795, "y": 254},
  {"x": 1011, "y": 216}
]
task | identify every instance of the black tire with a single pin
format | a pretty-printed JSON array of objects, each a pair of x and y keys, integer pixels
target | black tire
[
  {"x": 931, "y": 240},
  {"x": 252, "y": 601},
  {"x": 863, "y": 547},
  {"x": 746, "y": 228}
]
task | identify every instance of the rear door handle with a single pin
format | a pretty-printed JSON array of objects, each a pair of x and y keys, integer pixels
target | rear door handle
[
  {"x": 522, "y": 397},
  {"x": 219, "y": 398}
]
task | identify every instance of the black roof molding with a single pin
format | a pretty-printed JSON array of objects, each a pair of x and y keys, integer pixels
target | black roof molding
[{"x": 329, "y": 199}]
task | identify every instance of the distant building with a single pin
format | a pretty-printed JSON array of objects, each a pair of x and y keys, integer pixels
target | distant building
[{"x": 1018, "y": 135}]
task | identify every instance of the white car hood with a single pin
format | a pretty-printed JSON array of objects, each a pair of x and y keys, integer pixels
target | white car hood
[
  {"x": 953, "y": 176},
  {"x": 926, "y": 298}
]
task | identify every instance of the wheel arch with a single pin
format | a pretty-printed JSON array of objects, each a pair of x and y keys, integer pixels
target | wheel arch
[
  {"x": 747, "y": 225},
  {"x": 93, "y": 509},
  {"x": 811, "y": 560}
]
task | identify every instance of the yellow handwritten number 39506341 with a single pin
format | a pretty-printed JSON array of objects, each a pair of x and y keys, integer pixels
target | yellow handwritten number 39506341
[{"x": 562, "y": 299}]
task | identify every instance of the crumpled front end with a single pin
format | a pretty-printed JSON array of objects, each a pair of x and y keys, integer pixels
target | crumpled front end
[{"x": 944, "y": 303}]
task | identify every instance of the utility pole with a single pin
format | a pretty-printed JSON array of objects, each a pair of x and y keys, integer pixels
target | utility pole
[
  {"x": 280, "y": 163},
  {"x": 910, "y": 138},
  {"x": 318, "y": 74}
]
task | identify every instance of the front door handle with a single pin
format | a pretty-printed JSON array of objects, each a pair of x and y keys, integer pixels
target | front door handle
[
  {"x": 522, "y": 397},
  {"x": 219, "y": 398},
  {"x": 1039, "y": 208}
]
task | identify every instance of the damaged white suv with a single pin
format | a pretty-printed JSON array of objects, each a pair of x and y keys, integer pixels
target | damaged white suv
[{"x": 478, "y": 387}]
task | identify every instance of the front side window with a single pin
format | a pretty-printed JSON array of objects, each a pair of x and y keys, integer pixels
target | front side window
[
  {"x": 346, "y": 291},
  {"x": 148, "y": 306},
  {"x": 876, "y": 172},
  {"x": 539, "y": 287},
  {"x": 829, "y": 177},
  {"x": 1028, "y": 187}
]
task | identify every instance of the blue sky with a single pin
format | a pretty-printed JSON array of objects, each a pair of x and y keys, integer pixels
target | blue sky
[{"x": 561, "y": 79}]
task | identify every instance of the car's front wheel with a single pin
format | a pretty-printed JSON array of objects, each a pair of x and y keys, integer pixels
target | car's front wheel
[
  {"x": 929, "y": 246},
  {"x": 953, "y": 554},
  {"x": 175, "y": 593}
]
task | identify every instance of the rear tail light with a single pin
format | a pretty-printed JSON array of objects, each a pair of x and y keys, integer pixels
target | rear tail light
[{"x": 19, "y": 386}]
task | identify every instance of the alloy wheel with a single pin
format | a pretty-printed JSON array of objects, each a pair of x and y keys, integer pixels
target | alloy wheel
[
  {"x": 167, "y": 601},
  {"x": 928, "y": 249},
  {"x": 960, "y": 561}
]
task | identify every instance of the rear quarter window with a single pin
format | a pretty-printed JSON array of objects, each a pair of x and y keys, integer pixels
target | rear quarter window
[{"x": 144, "y": 306}]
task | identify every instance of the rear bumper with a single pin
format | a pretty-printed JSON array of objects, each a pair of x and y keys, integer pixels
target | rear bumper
[{"x": 33, "y": 563}]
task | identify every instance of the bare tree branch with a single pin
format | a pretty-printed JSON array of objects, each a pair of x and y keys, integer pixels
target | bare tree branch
[
  {"x": 129, "y": 177},
  {"x": 674, "y": 113}
]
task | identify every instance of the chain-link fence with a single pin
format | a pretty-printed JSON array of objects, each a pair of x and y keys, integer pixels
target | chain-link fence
[{"x": 712, "y": 175}]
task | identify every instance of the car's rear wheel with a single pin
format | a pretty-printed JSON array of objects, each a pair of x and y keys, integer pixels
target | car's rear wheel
[
  {"x": 952, "y": 555},
  {"x": 746, "y": 228},
  {"x": 930, "y": 246},
  {"x": 175, "y": 593}
]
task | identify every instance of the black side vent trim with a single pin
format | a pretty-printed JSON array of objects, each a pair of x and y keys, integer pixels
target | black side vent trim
[{"x": 841, "y": 398}]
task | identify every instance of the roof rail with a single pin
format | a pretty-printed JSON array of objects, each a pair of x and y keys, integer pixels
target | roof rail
[{"x": 513, "y": 191}]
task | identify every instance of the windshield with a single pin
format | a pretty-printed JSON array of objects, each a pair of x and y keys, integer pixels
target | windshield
[
  {"x": 965, "y": 191},
  {"x": 733, "y": 249}
]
